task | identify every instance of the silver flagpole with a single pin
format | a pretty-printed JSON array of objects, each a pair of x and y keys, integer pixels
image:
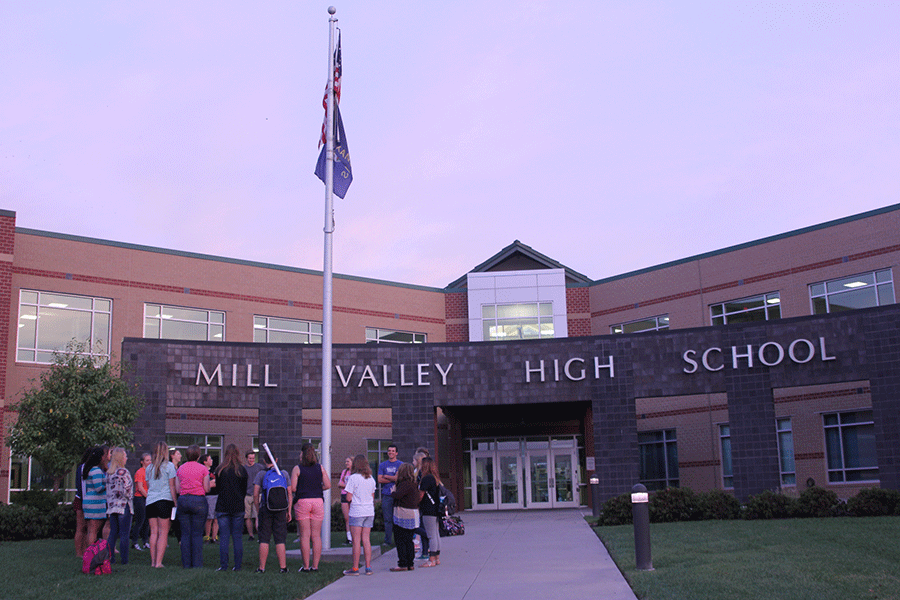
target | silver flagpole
[{"x": 327, "y": 296}]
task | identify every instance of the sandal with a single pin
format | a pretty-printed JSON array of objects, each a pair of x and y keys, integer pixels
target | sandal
[{"x": 430, "y": 563}]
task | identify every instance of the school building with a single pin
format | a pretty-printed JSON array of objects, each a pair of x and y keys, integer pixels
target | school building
[{"x": 773, "y": 364}]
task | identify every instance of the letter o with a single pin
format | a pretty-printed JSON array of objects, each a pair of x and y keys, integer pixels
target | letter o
[
  {"x": 762, "y": 357},
  {"x": 809, "y": 344}
]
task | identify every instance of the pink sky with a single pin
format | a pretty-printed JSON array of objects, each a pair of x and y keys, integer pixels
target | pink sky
[{"x": 610, "y": 136}]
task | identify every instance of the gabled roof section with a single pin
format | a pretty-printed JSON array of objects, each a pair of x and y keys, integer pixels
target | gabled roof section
[{"x": 520, "y": 257}]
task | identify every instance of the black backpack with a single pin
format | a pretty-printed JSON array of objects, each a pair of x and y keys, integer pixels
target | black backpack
[{"x": 275, "y": 487}]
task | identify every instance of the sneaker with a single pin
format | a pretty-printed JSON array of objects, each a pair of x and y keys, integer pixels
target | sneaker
[
  {"x": 251, "y": 538},
  {"x": 424, "y": 557},
  {"x": 284, "y": 570},
  {"x": 260, "y": 570},
  {"x": 303, "y": 570},
  {"x": 351, "y": 572},
  {"x": 368, "y": 571},
  {"x": 221, "y": 569},
  {"x": 296, "y": 540},
  {"x": 146, "y": 545},
  {"x": 138, "y": 547},
  {"x": 235, "y": 568},
  {"x": 348, "y": 543}
]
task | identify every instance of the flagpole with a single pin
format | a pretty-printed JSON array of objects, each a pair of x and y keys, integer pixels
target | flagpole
[{"x": 327, "y": 294}]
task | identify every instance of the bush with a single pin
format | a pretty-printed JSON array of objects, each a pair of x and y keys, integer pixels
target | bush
[
  {"x": 43, "y": 500},
  {"x": 769, "y": 505},
  {"x": 616, "y": 511},
  {"x": 20, "y": 522},
  {"x": 337, "y": 517},
  {"x": 816, "y": 502},
  {"x": 874, "y": 502},
  {"x": 717, "y": 504},
  {"x": 674, "y": 504}
]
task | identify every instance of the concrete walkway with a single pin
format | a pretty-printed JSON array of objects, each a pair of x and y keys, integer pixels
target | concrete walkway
[{"x": 539, "y": 554}]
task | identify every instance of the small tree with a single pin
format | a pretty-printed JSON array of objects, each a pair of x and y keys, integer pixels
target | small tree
[{"x": 77, "y": 403}]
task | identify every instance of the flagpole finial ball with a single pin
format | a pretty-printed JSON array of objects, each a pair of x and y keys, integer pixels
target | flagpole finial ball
[{"x": 331, "y": 10}]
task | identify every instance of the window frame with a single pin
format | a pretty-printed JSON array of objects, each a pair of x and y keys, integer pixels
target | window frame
[
  {"x": 377, "y": 336},
  {"x": 823, "y": 294},
  {"x": 726, "y": 462},
  {"x": 543, "y": 317},
  {"x": 98, "y": 349},
  {"x": 841, "y": 427},
  {"x": 309, "y": 334},
  {"x": 767, "y": 307},
  {"x": 787, "y": 465},
  {"x": 209, "y": 323},
  {"x": 669, "y": 445},
  {"x": 660, "y": 323}
]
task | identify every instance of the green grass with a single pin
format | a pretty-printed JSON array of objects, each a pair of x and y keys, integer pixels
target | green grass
[
  {"x": 49, "y": 569},
  {"x": 794, "y": 559}
]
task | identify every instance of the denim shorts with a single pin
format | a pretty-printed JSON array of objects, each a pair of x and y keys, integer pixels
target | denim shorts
[{"x": 362, "y": 521}]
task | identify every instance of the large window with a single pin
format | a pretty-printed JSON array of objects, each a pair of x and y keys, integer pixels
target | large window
[
  {"x": 28, "y": 474},
  {"x": 786, "y": 450},
  {"x": 657, "y": 323},
  {"x": 525, "y": 321},
  {"x": 764, "y": 307},
  {"x": 209, "y": 444},
  {"x": 875, "y": 288},
  {"x": 725, "y": 442},
  {"x": 389, "y": 336},
  {"x": 850, "y": 446},
  {"x": 49, "y": 321},
  {"x": 659, "y": 459},
  {"x": 175, "y": 323},
  {"x": 276, "y": 330}
]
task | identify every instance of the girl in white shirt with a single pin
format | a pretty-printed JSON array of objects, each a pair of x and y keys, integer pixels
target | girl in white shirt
[{"x": 361, "y": 494}]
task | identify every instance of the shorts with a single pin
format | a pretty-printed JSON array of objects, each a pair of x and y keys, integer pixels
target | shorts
[
  {"x": 362, "y": 521},
  {"x": 211, "y": 501},
  {"x": 344, "y": 499},
  {"x": 249, "y": 509},
  {"x": 309, "y": 508},
  {"x": 272, "y": 524},
  {"x": 161, "y": 509}
]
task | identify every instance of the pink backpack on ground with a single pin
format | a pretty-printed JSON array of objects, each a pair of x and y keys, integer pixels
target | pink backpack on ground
[{"x": 96, "y": 559}]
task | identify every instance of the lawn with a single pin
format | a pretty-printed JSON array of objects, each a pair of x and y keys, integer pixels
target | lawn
[
  {"x": 793, "y": 559},
  {"x": 49, "y": 569}
]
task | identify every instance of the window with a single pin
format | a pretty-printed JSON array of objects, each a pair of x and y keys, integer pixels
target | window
[
  {"x": 786, "y": 450},
  {"x": 525, "y": 321},
  {"x": 49, "y": 321},
  {"x": 173, "y": 323},
  {"x": 659, "y": 459},
  {"x": 209, "y": 444},
  {"x": 857, "y": 291},
  {"x": 376, "y": 452},
  {"x": 389, "y": 336},
  {"x": 652, "y": 324},
  {"x": 28, "y": 474},
  {"x": 764, "y": 307},
  {"x": 725, "y": 441},
  {"x": 276, "y": 330},
  {"x": 850, "y": 446}
]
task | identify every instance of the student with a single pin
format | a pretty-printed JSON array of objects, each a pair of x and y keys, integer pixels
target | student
[
  {"x": 161, "y": 496},
  {"x": 345, "y": 504},
  {"x": 119, "y": 504},
  {"x": 429, "y": 506},
  {"x": 361, "y": 495},
  {"x": 193, "y": 484},
  {"x": 140, "y": 529},
  {"x": 272, "y": 524},
  {"x": 387, "y": 475},
  {"x": 94, "y": 500},
  {"x": 406, "y": 516},
  {"x": 308, "y": 480},
  {"x": 231, "y": 478}
]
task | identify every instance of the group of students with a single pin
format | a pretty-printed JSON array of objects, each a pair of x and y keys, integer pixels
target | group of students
[
  {"x": 410, "y": 501},
  {"x": 164, "y": 489}
]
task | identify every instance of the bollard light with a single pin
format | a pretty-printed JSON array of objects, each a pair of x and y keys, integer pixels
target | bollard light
[
  {"x": 640, "y": 512},
  {"x": 595, "y": 496}
]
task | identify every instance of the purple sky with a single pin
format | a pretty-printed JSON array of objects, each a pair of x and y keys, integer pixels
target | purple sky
[{"x": 610, "y": 136}]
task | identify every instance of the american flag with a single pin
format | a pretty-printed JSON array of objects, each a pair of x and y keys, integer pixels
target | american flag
[{"x": 337, "y": 88}]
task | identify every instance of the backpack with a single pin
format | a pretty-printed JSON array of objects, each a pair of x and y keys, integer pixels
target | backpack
[
  {"x": 448, "y": 501},
  {"x": 96, "y": 559},
  {"x": 275, "y": 487}
]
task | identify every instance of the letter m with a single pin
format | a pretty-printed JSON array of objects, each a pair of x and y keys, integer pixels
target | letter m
[{"x": 202, "y": 372}]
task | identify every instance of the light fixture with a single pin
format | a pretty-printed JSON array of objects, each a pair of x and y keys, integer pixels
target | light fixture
[{"x": 855, "y": 284}]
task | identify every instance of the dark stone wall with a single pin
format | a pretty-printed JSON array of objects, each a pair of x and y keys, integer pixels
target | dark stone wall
[{"x": 859, "y": 345}]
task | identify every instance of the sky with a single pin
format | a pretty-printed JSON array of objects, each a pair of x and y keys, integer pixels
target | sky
[{"x": 610, "y": 136}]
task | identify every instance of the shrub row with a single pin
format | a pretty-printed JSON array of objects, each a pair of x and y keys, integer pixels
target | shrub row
[
  {"x": 682, "y": 504},
  {"x": 337, "y": 517},
  {"x": 22, "y": 522}
]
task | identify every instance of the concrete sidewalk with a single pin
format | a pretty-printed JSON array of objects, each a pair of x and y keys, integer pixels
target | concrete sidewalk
[{"x": 539, "y": 554}]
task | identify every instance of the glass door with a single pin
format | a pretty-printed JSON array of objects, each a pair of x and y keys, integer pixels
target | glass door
[
  {"x": 509, "y": 477},
  {"x": 483, "y": 480},
  {"x": 497, "y": 480},
  {"x": 552, "y": 474}
]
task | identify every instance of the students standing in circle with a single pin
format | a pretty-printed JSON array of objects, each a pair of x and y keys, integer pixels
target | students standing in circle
[
  {"x": 193, "y": 484},
  {"x": 387, "y": 475},
  {"x": 211, "y": 529},
  {"x": 161, "y": 496},
  {"x": 308, "y": 480},
  {"x": 272, "y": 524},
  {"x": 231, "y": 481},
  {"x": 140, "y": 530},
  {"x": 361, "y": 495},
  {"x": 119, "y": 504},
  {"x": 94, "y": 500},
  {"x": 406, "y": 516}
]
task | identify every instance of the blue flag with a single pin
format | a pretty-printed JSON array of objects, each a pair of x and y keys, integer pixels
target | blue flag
[{"x": 343, "y": 175}]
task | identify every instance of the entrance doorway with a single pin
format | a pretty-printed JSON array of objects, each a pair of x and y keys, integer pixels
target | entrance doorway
[{"x": 528, "y": 472}]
